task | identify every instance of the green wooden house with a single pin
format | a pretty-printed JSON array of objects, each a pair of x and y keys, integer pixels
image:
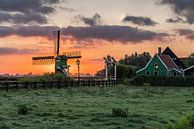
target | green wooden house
[{"x": 161, "y": 65}]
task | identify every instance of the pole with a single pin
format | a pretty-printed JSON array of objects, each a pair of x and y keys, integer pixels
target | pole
[
  {"x": 78, "y": 74},
  {"x": 106, "y": 71},
  {"x": 115, "y": 65}
]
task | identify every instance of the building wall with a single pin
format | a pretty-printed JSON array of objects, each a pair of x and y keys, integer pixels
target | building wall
[
  {"x": 189, "y": 72},
  {"x": 161, "y": 70}
]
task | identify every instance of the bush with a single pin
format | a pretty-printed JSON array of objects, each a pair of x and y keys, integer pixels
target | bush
[
  {"x": 118, "y": 112},
  {"x": 162, "y": 81},
  {"x": 23, "y": 109},
  {"x": 185, "y": 122},
  {"x": 47, "y": 77}
]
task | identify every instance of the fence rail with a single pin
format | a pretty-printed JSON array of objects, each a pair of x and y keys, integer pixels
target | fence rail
[{"x": 9, "y": 85}]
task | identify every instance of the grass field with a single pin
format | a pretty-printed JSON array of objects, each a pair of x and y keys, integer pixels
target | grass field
[{"x": 91, "y": 108}]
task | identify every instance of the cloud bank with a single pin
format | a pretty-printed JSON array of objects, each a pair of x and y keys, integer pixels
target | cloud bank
[
  {"x": 139, "y": 20},
  {"x": 188, "y": 33},
  {"x": 16, "y": 51},
  {"x": 95, "y": 20},
  {"x": 183, "y": 8},
  {"x": 26, "y": 11},
  {"x": 122, "y": 34}
]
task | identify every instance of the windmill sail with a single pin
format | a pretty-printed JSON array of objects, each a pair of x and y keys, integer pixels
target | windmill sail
[
  {"x": 73, "y": 54},
  {"x": 43, "y": 60}
]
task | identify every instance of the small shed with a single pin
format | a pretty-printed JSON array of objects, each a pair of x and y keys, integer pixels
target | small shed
[{"x": 189, "y": 71}]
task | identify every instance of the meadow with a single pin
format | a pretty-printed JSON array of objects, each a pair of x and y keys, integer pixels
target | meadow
[{"x": 91, "y": 108}]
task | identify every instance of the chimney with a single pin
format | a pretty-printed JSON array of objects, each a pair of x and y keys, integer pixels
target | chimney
[{"x": 159, "y": 50}]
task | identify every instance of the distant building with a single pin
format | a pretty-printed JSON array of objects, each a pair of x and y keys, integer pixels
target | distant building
[
  {"x": 164, "y": 63},
  {"x": 189, "y": 71}
]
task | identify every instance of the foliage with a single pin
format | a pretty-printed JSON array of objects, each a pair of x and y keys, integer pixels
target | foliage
[
  {"x": 185, "y": 122},
  {"x": 119, "y": 112},
  {"x": 123, "y": 71},
  {"x": 46, "y": 77},
  {"x": 137, "y": 60},
  {"x": 23, "y": 109},
  {"x": 192, "y": 55},
  {"x": 163, "y": 81},
  {"x": 189, "y": 61}
]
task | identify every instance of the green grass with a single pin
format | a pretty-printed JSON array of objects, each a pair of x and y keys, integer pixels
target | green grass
[{"x": 91, "y": 108}]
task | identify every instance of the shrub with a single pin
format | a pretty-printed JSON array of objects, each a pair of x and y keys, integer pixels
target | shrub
[
  {"x": 163, "y": 81},
  {"x": 47, "y": 77},
  {"x": 23, "y": 109},
  {"x": 118, "y": 112},
  {"x": 184, "y": 122}
]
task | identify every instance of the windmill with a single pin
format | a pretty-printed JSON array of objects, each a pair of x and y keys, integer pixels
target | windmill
[{"x": 60, "y": 60}]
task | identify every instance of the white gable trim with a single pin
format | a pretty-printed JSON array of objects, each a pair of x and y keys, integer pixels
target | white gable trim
[
  {"x": 177, "y": 70},
  {"x": 188, "y": 68},
  {"x": 150, "y": 62},
  {"x": 145, "y": 66}
]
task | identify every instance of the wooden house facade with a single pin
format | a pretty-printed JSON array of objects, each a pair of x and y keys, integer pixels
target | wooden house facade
[{"x": 162, "y": 64}]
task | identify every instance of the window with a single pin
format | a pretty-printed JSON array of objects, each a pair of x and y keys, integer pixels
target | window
[
  {"x": 175, "y": 74},
  {"x": 156, "y": 66},
  {"x": 155, "y": 73},
  {"x": 147, "y": 72}
]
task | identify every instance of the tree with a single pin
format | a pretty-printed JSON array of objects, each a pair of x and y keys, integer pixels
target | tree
[
  {"x": 137, "y": 60},
  {"x": 191, "y": 55},
  {"x": 190, "y": 61}
]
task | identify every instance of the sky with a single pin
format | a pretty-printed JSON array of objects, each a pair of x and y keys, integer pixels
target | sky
[{"x": 94, "y": 27}]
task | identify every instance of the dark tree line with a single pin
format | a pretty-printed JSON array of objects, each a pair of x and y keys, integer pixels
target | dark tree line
[
  {"x": 189, "y": 61},
  {"x": 137, "y": 60}
]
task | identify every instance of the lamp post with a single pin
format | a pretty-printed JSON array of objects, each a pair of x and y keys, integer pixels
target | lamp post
[{"x": 78, "y": 68}]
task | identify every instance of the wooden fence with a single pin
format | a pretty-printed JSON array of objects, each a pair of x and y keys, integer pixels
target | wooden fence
[{"x": 9, "y": 85}]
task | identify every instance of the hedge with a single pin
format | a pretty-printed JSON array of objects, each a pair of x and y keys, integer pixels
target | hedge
[{"x": 163, "y": 81}]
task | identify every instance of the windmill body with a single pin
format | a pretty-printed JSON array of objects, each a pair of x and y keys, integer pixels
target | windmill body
[{"x": 60, "y": 60}]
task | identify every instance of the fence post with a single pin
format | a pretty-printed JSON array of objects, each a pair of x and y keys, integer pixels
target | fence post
[
  {"x": 17, "y": 85},
  {"x": 58, "y": 84},
  {"x": 51, "y": 85},
  {"x": 35, "y": 85},
  {"x": 26, "y": 85},
  {"x": 72, "y": 83},
  {"x": 7, "y": 86}
]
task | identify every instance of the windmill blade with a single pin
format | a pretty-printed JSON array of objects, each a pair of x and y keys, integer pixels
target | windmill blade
[
  {"x": 73, "y": 54},
  {"x": 43, "y": 60}
]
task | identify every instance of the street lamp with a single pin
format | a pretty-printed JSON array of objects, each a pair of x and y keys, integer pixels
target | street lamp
[{"x": 78, "y": 68}]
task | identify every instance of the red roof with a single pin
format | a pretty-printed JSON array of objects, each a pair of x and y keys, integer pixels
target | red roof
[{"x": 168, "y": 61}]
